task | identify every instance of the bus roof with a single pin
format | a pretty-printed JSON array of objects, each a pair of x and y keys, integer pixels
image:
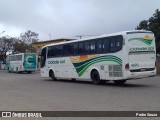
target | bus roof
[
  {"x": 104, "y": 35},
  {"x": 20, "y": 54}
]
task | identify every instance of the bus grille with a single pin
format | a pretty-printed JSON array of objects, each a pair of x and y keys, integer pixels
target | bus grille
[{"x": 115, "y": 71}]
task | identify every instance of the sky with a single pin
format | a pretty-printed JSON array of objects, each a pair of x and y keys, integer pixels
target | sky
[{"x": 57, "y": 19}]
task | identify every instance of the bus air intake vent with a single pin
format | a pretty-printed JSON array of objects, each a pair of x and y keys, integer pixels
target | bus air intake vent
[{"x": 115, "y": 71}]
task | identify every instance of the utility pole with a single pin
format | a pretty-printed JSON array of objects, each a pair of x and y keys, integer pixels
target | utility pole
[
  {"x": 80, "y": 36},
  {"x": 50, "y": 36}
]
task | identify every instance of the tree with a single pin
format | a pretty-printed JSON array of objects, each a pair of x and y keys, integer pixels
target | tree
[
  {"x": 29, "y": 37},
  {"x": 152, "y": 24},
  {"x": 18, "y": 45},
  {"x": 6, "y": 44},
  {"x": 26, "y": 39},
  {"x": 143, "y": 25}
]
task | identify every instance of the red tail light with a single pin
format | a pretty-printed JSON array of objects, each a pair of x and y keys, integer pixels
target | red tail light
[{"x": 127, "y": 66}]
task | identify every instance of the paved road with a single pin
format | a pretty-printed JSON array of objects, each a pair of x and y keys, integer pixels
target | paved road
[{"x": 31, "y": 92}]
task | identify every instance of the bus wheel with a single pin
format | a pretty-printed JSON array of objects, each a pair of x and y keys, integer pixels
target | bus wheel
[
  {"x": 51, "y": 74},
  {"x": 119, "y": 82},
  {"x": 9, "y": 71},
  {"x": 29, "y": 72},
  {"x": 95, "y": 77},
  {"x": 17, "y": 70}
]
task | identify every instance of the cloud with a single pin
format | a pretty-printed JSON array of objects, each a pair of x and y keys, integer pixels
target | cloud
[{"x": 67, "y": 18}]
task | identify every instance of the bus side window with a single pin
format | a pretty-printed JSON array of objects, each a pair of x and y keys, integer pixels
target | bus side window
[
  {"x": 75, "y": 47},
  {"x": 56, "y": 51},
  {"x": 61, "y": 50},
  {"x": 80, "y": 48},
  {"x": 65, "y": 48},
  {"x": 49, "y": 52},
  {"x": 99, "y": 45},
  {"x": 86, "y": 47},
  {"x": 112, "y": 45},
  {"x": 116, "y": 44},
  {"x": 119, "y": 42},
  {"x": 70, "y": 49},
  {"x": 52, "y": 51},
  {"x": 106, "y": 45},
  {"x": 92, "y": 46}
]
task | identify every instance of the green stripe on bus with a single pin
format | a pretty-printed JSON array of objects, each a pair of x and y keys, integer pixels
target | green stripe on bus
[
  {"x": 83, "y": 66},
  {"x": 146, "y": 41}
]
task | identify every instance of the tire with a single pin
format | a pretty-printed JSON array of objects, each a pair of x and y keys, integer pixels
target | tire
[
  {"x": 119, "y": 82},
  {"x": 29, "y": 72},
  {"x": 52, "y": 76},
  {"x": 103, "y": 82},
  {"x": 9, "y": 71},
  {"x": 17, "y": 71},
  {"x": 95, "y": 77},
  {"x": 73, "y": 80}
]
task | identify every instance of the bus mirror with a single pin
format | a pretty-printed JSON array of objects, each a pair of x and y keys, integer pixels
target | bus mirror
[{"x": 39, "y": 58}]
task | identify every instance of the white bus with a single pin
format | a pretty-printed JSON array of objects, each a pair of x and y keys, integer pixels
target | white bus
[
  {"x": 22, "y": 62},
  {"x": 115, "y": 57}
]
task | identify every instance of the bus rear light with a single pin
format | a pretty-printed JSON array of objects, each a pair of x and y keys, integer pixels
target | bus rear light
[{"x": 127, "y": 66}]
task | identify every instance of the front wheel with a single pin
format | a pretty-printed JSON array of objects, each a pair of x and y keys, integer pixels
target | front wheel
[
  {"x": 119, "y": 82},
  {"x": 52, "y": 76}
]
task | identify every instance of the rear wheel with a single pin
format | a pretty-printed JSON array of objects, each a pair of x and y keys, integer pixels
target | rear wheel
[
  {"x": 95, "y": 77},
  {"x": 9, "y": 70},
  {"x": 73, "y": 79},
  {"x": 17, "y": 70},
  {"x": 52, "y": 75},
  {"x": 119, "y": 82},
  {"x": 29, "y": 72}
]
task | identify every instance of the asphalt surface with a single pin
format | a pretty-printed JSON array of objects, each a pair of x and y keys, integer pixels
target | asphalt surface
[{"x": 31, "y": 92}]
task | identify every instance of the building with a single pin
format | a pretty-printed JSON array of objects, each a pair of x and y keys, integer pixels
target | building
[{"x": 38, "y": 45}]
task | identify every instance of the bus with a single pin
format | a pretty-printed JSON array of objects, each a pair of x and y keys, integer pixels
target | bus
[
  {"x": 114, "y": 57},
  {"x": 22, "y": 62}
]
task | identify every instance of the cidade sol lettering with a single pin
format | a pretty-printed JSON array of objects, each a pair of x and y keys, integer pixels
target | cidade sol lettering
[
  {"x": 56, "y": 62},
  {"x": 142, "y": 49}
]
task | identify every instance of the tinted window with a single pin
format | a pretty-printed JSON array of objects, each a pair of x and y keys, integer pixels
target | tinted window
[
  {"x": 56, "y": 51},
  {"x": 75, "y": 47},
  {"x": 99, "y": 45},
  {"x": 116, "y": 43},
  {"x": 80, "y": 48},
  {"x": 65, "y": 49},
  {"x": 106, "y": 45},
  {"x": 70, "y": 49},
  {"x": 92, "y": 46},
  {"x": 86, "y": 47},
  {"x": 61, "y": 50},
  {"x": 49, "y": 52}
]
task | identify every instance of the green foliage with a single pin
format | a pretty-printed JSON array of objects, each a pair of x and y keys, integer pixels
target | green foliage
[
  {"x": 18, "y": 45},
  {"x": 6, "y": 44},
  {"x": 152, "y": 24},
  {"x": 29, "y": 37}
]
